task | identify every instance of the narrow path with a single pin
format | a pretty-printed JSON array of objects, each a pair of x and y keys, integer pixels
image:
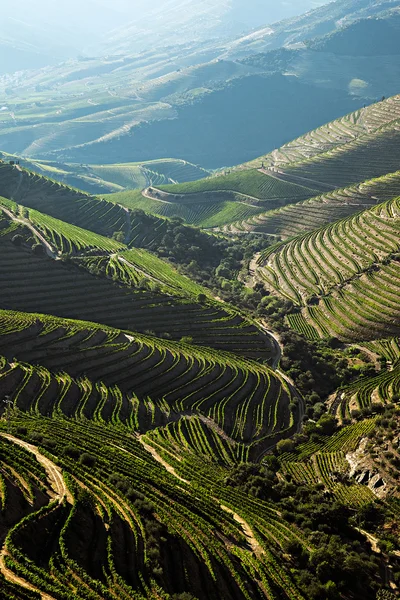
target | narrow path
[
  {"x": 160, "y": 460},
  {"x": 276, "y": 344},
  {"x": 136, "y": 268},
  {"x": 250, "y": 279},
  {"x": 256, "y": 548},
  {"x": 48, "y": 247},
  {"x": 54, "y": 473},
  {"x": 60, "y": 491},
  {"x": 13, "y": 578},
  {"x": 251, "y": 539}
]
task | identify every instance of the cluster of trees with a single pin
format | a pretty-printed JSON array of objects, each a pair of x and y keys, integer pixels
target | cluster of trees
[{"x": 341, "y": 563}]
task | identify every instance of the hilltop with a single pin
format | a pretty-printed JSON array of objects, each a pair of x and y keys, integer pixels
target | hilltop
[{"x": 105, "y": 179}]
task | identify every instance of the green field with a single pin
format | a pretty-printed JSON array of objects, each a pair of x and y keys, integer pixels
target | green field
[
  {"x": 250, "y": 183},
  {"x": 216, "y": 201}
]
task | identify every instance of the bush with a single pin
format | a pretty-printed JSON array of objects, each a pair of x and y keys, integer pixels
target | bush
[
  {"x": 88, "y": 460},
  {"x": 285, "y": 446}
]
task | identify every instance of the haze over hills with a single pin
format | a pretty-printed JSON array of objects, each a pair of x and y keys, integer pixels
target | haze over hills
[
  {"x": 37, "y": 35},
  {"x": 147, "y": 106}
]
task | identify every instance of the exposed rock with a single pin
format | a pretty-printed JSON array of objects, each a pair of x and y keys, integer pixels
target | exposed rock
[{"x": 364, "y": 472}]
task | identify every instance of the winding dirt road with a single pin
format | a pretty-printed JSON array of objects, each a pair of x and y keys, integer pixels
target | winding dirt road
[
  {"x": 256, "y": 548},
  {"x": 54, "y": 474},
  {"x": 59, "y": 492},
  {"x": 48, "y": 247}
]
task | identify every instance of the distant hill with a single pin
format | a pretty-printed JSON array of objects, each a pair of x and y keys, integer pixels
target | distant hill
[
  {"x": 101, "y": 179},
  {"x": 194, "y": 100}
]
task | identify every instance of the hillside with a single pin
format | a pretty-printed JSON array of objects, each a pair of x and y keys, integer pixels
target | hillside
[
  {"x": 200, "y": 371},
  {"x": 103, "y": 179},
  {"x": 32, "y": 282},
  {"x": 355, "y": 148},
  {"x": 216, "y": 200},
  {"x": 351, "y": 162},
  {"x": 343, "y": 276},
  {"x": 297, "y": 218},
  {"x": 213, "y": 103}
]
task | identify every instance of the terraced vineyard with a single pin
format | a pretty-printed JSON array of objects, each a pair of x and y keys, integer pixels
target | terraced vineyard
[
  {"x": 330, "y": 139},
  {"x": 64, "y": 203},
  {"x": 135, "y": 525},
  {"x": 250, "y": 183},
  {"x": 294, "y": 219},
  {"x": 141, "y": 175},
  {"x": 156, "y": 442},
  {"x": 381, "y": 389},
  {"x": 213, "y": 212},
  {"x": 138, "y": 267},
  {"x": 138, "y": 380},
  {"x": 34, "y": 283},
  {"x": 327, "y": 464},
  {"x": 217, "y": 200},
  {"x": 63, "y": 237},
  {"x": 345, "y": 275}
]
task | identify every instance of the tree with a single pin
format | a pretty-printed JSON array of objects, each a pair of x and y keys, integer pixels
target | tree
[
  {"x": 118, "y": 236},
  {"x": 285, "y": 446},
  {"x": 327, "y": 424}
]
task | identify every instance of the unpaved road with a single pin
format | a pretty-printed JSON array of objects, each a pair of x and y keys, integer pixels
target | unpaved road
[
  {"x": 12, "y": 578},
  {"x": 49, "y": 248},
  {"x": 54, "y": 474},
  {"x": 160, "y": 460},
  {"x": 59, "y": 491},
  {"x": 256, "y": 548}
]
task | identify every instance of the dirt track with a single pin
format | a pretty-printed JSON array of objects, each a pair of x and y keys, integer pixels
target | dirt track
[
  {"x": 54, "y": 473},
  {"x": 252, "y": 541},
  {"x": 49, "y": 248},
  {"x": 59, "y": 491}
]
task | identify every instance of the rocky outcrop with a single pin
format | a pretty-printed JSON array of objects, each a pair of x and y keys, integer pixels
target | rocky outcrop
[{"x": 365, "y": 472}]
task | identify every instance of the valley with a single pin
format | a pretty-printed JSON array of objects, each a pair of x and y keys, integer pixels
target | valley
[{"x": 199, "y": 312}]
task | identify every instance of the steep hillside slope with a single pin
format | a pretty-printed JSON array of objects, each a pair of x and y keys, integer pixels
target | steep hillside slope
[
  {"x": 216, "y": 200},
  {"x": 173, "y": 101},
  {"x": 354, "y": 148},
  {"x": 103, "y": 179},
  {"x": 344, "y": 276},
  {"x": 34, "y": 282},
  {"x": 297, "y": 218},
  {"x": 141, "y": 381}
]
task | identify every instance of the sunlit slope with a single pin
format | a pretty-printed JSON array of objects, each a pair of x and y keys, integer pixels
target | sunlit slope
[
  {"x": 358, "y": 147},
  {"x": 34, "y": 283},
  {"x": 61, "y": 237},
  {"x": 335, "y": 135},
  {"x": 62, "y": 202},
  {"x": 110, "y": 489},
  {"x": 103, "y": 179},
  {"x": 142, "y": 382},
  {"x": 101, "y": 255},
  {"x": 316, "y": 212},
  {"x": 217, "y": 200},
  {"x": 345, "y": 277}
]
